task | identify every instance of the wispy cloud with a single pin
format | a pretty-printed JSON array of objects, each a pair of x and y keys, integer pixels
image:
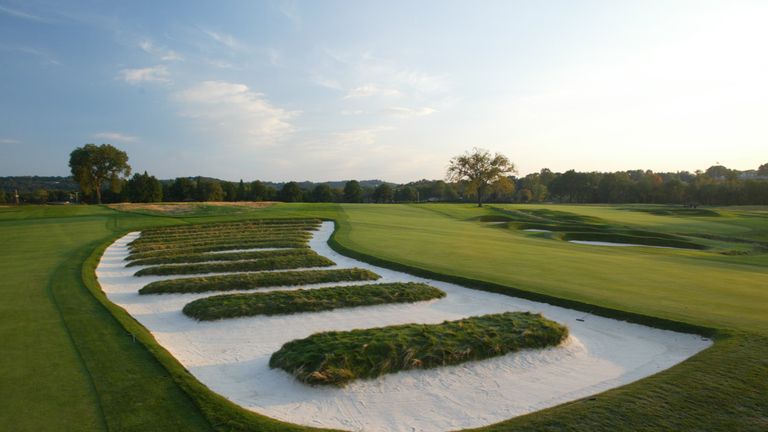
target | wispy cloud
[
  {"x": 362, "y": 136},
  {"x": 163, "y": 53},
  {"x": 408, "y": 112},
  {"x": 9, "y": 141},
  {"x": 290, "y": 10},
  {"x": 44, "y": 56},
  {"x": 151, "y": 74},
  {"x": 237, "y": 112},
  {"x": 225, "y": 39},
  {"x": 115, "y": 136},
  {"x": 374, "y": 90},
  {"x": 23, "y": 15}
]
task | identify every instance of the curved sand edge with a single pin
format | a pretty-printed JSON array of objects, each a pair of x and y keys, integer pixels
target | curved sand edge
[{"x": 231, "y": 356}]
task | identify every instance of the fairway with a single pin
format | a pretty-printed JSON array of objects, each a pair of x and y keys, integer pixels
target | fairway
[{"x": 57, "y": 332}]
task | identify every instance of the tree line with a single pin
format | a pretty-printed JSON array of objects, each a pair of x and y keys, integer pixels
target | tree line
[{"x": 103, "y": 175}]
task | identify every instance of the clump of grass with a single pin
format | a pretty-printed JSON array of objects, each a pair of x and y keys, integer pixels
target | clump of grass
[
  {"x": 227, "y": 256},
  {"x": 177, "y": 238},
  {"x": 220, "y": 247},
  {"x": 336, "y": 358},
  {"x": 265, "y": 223},
  {"x": 217, "y": 241},
  {"x": 313, "y": 300},
  {"x": 274, "y": 263},
  {"x": 246, "y": 281}
]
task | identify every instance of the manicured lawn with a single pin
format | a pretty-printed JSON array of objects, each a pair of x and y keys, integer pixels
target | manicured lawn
[
  {"x": 336, "y": 358},
  {"x": 68, "y": 365}
]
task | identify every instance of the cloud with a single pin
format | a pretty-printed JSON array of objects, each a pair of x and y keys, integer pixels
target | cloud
[
  {"x": 360, "y": 137},
  {"x": 224, "y": 39},
  {"x": 236, "y": 111},
  {"x": 163, "y": 53},
  {"x": 21, "y": 14},
  {"x": 372, "y": 90},
  {"x": 8, "y": 141},
  {"x": 151, "y": 74},
  {"x": 47, "y": 58},
  {"x": 114, "y": 136},
  {"x": 289, "y": 9},
  {"x": 408, "y": 112}
]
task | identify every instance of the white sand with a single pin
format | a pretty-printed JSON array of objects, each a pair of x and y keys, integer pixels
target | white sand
[
  {"x": 231, "y": 356},
  {"x": 600, "y": 243}
]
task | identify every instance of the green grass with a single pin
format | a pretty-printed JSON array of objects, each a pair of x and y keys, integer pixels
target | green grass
[
  {"x": 312, "y": 300},
  {"x": 336, "y": 358},
  {"x": 237, "y": 232},
  {"x": 224, "y": 256},
  {"x": 220, "y": 240},
  {"x": 256, "y": 244},
  {"x": 67, "y": 364},
  {"x": 274, "y": 263},
  {"x": 247, "y": 281}
]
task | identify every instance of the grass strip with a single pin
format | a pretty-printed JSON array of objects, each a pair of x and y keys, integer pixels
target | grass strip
[
  {"x": 216, "y": 241},
  {"x": 227, "y": 256},
  {"x": 336, "y": 358},
  {"x": 215, "y": 248},
  {"x": 273, "y": 263},
  {"x": 245, "y": 281},
  {"x": 253, "y": 223},
  {"x": 145, "y": 239},
  {"x": 312, "y": 300}
]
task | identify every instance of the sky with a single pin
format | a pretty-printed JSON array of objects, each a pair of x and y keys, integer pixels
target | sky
[{"x": 335, "y": 90}]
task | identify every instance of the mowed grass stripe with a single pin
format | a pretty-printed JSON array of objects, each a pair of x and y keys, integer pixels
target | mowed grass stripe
[
  {"x": 336, "y": 358},
  {"x": 226, "y": 256},
  {"x": 247, "y": 281},
  {"x": 293, "y": 244},
  {"x": 274, "y": 263},
  {"x": 313, "y": 300},
  {"x": 233, "y": 225}
]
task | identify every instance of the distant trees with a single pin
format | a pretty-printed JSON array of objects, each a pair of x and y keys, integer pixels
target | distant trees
[
  {"x": 94, "y": 165},
  {"x": 209, "y": 190},
  {"x": 144, "y": 188},
  {"x": 182, "y": 189},
  {"x": 479, "y": 168},
  {"x": 291, "y": 192},
  {"x": 3, "y": 198},
  {"x": 383, "y": 193},
  {"x": 353, "y": 192},
  {"x": 322, "y": 193}
]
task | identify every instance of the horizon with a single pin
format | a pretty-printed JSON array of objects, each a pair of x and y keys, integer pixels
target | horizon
[{"x": 280, "y": 90}]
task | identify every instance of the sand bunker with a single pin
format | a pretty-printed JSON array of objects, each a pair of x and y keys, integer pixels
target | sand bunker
[
  {"x": 231, "y": 356},
  {"x": 601, "y": 243}
]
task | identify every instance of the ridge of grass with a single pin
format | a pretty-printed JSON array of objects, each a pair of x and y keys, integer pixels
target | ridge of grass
[
  {"x": 312, "y": 300},
  {"x": 246, "y": 281},
  {"x": 215, "y": 241},
  {"x": 272, "y": 263},
  {"x": 142, "y": 240},
  {"x": 235, "y": 224},
  {"x": 221, "y": 247},
  {"x": 226, "y": 256},
  {"x": 336, "y": 358}
]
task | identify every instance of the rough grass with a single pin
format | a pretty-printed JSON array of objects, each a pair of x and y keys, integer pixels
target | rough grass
[
  {"x": 169, "y": 246},
  {"x": 225, "y": 256},
  {"x": 336, "y": 358},
  {"x": 313, "y": 300},
  {"x": 273, "y": 263},
  {"x": 256, "y": 244},
  {"x": 246, "y": 281},
  {"x": 253, "y": 223},
  {"x": 144, "y": 240}
]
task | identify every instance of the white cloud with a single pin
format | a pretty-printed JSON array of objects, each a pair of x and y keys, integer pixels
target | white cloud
[
  {"x": 46, "y": 57},
  {"x": 163, "y": 53},
  {"x": 8, "y": 141},
  {"x": 114, "y": 136},
  {"x": 150, "y": 74},
  {"x": 408, "y": 112},
  {"x": 360, "y": 137},
  {"x": 224, "y": 39},
  {"x": 372, "y": 90},
  {"x": 21, "y": 14},
  {"x": 236, "y": 111}
]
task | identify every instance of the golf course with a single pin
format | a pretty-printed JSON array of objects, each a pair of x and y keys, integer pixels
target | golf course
[{"x": 73, "y": 360}]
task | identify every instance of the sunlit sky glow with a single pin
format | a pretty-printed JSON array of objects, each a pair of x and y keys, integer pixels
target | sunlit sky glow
[{"x": 330, "y": 90}]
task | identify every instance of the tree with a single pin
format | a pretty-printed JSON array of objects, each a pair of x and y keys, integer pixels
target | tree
[
  {"x": 258, "y": 191},
  {"x": 763, "y": 170},
  {"x": 353, "y": 192},
  {"x": 383, "y": 193},
  {"x": 322, "y": 193},
  {"x": 93, "y": 165},
  {"x": 291, "y": 192},
  {"x": 480, "y": 169},
  {"x": 240, "y": 196},
  {"x": 182, "y": 189},
  {"x": 209, "y": 191},
  {"x": 144, "y": 188},
  {"x": 3, "y": 199},
  {"x": 407, "y": 194}
]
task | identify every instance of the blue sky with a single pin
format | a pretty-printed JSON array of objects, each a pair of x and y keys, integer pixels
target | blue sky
[{"x": 328, "y": 90}]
